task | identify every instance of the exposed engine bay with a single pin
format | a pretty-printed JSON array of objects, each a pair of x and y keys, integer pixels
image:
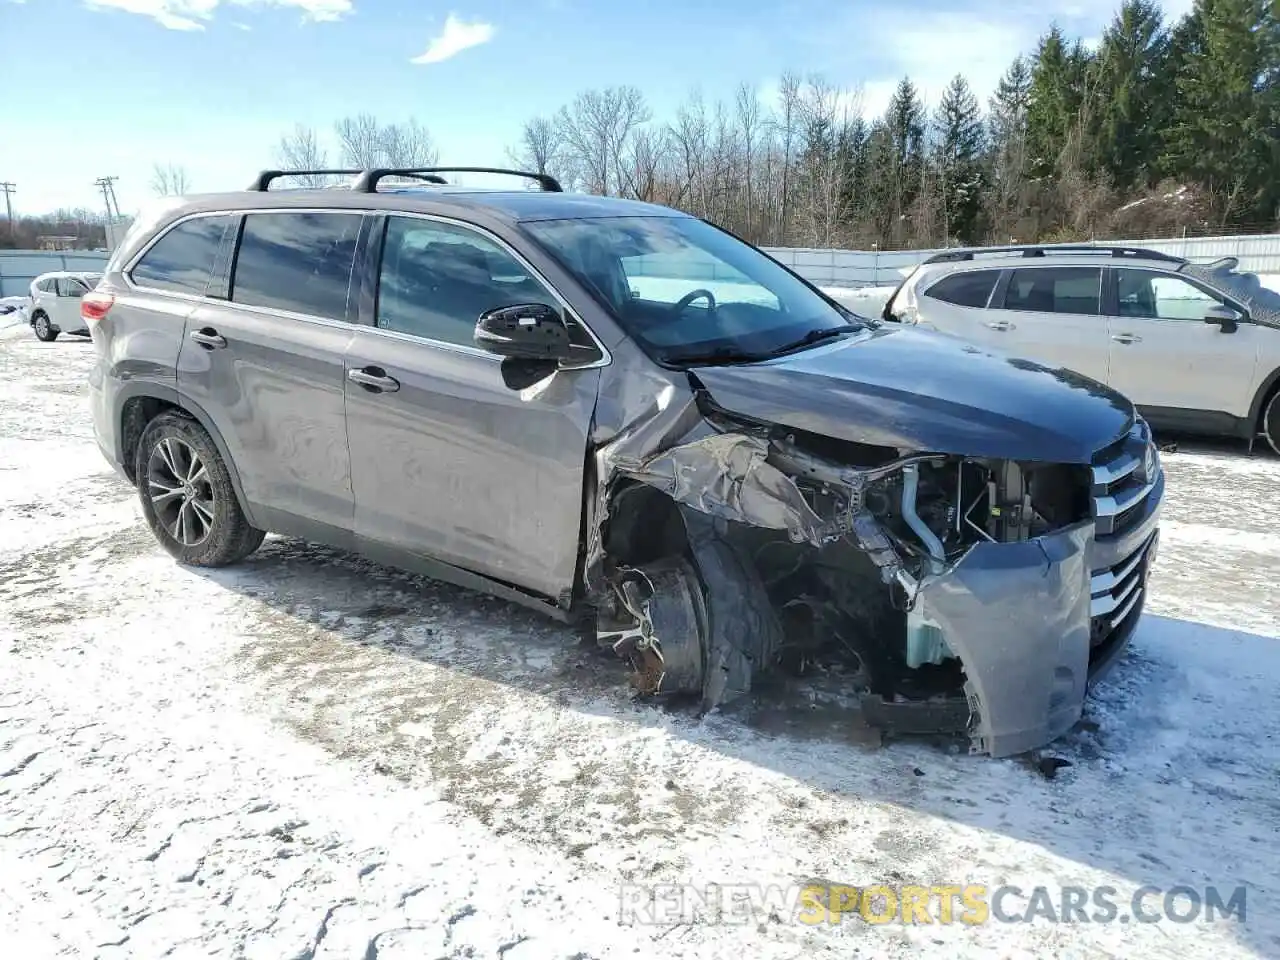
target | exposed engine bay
[{"x": 754, "y": 547}]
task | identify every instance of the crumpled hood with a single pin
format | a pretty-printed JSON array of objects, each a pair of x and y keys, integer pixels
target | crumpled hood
[{"x": 922, "y": 391}]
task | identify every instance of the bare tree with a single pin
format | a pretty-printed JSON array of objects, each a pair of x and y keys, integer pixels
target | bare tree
[
  {"x": 539, "y": 149},
  {"x": 597, "y": 129},
  {"x": 408, "y": 145},
  {"x": 360, "y": 141},
  {"x": 169, "y": 180},
  {"x": 749, "y": 129},
  {"x": 301, "y": 150}
]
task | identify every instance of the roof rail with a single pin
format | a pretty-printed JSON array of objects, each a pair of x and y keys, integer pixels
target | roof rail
[
  {"x": 1136, "y": 253},
  {"x": 263, "y": 180},
  {"x": 368, "y": 182}
]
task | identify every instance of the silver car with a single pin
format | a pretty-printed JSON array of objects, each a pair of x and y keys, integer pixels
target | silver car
[{"x": 611, "y": 411}]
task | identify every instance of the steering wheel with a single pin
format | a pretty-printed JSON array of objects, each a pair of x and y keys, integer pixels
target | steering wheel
[{"x": 699, "y": 294}]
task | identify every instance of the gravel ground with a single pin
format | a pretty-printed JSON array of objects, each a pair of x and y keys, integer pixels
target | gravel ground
[{"x": 311, "y": 756}]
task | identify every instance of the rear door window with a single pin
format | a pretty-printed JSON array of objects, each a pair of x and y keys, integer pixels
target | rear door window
[
  {"x": 70, "y": 287},
  {"x": 969, "y": 289},
  {"x": 183, "y": 259},
  {"x": 1070, "y": 290},
  {"x": 300, "y": 262}
]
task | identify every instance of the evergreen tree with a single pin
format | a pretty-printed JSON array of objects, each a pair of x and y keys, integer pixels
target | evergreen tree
[
  {"x": 1224, "y": 125},
  {"x": 1133, "y": 94},
  {"x": 904, "y": 124},
  {"x": 957, "y": 158},
  {"x": 1058, "y": 108},
  {"x": 1007, "y": 124}
]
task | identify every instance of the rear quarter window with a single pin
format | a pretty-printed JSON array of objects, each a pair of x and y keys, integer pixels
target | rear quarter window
[
  {"x": 183, "y": 259},
  {"x": 969, "y": 289}
]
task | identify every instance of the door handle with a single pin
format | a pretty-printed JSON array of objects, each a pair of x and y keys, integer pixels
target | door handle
[
  {"x": 1126, "y": 338},
  {"x": 374, "y": 379},
  {"x": 1000, "y": 325},
  {"x": 208, "y": 338}
]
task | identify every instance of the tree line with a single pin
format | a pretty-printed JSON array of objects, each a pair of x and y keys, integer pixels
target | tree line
[{"x": 1161, "y": 128}]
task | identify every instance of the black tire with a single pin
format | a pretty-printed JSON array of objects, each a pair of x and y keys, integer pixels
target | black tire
[
  {"x": 44, "y": 328},
  {"x": 1271, "y": 421},
  {"x": 187, "y": 495}
]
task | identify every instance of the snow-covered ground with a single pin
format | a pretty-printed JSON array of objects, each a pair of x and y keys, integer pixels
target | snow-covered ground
[{"x": 314, "y": 757}]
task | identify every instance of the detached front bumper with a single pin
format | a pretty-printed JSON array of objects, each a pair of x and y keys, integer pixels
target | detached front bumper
[{"x": 1036, "y": 622}]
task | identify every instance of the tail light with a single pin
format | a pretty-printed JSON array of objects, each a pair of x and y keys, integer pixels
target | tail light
[{"x": 94, "y": 306}]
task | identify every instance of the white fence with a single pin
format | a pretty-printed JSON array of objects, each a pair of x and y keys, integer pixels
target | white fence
[
  {"x": 860, "y": 268},
  {"x": 19, "y": 267}
]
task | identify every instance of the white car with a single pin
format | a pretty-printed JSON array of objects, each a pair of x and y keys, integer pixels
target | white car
[
  {"x": 55, "y": 303},
  {"x": 1196, "y": 347}
]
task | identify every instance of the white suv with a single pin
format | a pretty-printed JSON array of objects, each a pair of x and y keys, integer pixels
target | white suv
[
  {"x": 1195, "y": 346},
  {"x": 55, "y": 303}
]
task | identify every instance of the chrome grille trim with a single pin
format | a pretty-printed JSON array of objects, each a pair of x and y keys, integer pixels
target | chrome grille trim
[
  {"x": 1126, "y": 609},
  {"x": 1108, "y": 473},
  {"x": 1116, "y": 586},
  {"x": 1118, "y": 485}
]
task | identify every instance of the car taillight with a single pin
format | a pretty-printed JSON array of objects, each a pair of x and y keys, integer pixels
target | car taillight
[{"x": 94, "y": 306}]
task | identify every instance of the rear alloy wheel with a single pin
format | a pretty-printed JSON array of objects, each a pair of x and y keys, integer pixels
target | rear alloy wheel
[
  {"x": 44, "y": 329},
  {"x": 1271, "y": 421},
  {"x": 187, "y": 495}
]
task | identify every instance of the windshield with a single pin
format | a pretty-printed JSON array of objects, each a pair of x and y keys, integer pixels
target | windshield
[
  {"x": 1262, "y": 302},
  {"x": 689, "y": 292}
]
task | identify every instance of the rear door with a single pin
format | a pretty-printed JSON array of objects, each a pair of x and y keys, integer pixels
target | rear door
[
  {"x": 448, "y": 462},
  {"x": 263, "y": 357},
  {"x": 1164, "y": 355},
  {"x": 1052, "y": 314}
]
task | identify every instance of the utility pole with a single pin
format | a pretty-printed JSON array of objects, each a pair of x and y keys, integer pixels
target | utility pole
[
  {"x": 113, "y": 208},
  {"x": 109, "y": 196},
  {"x": 9, "y": 189}
]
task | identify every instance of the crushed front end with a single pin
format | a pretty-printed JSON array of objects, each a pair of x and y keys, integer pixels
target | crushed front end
[{"x": 958, "y": 594}]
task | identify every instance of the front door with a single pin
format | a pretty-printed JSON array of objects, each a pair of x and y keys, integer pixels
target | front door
[
  {"x": 447, "y": 462},
  {"x": 1053, "y": 315},
  {"x": 1164, "y": 355},
  {"x": 267, "y": 368}
]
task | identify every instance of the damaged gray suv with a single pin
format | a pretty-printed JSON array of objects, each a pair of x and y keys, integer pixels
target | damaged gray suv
[{"x": 622, "y": 415}]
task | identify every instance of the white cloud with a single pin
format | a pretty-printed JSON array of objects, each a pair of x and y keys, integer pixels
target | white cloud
[
  {"x": 171, "y": 14},
  {"x": 457, "y": 36},
  {"x": 194, "y": 14},
  {"x": 318, "y": 10}
]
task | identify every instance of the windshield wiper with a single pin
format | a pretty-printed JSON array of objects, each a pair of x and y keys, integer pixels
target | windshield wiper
[
  {"x": 812, "y": 337},
  {"x": 720, "y": 355}
]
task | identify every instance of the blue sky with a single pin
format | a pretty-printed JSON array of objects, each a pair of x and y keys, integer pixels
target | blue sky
[{"x": 98, "y": 87}]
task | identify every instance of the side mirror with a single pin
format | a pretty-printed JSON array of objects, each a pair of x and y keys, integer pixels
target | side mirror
[
  {"x": 526, "y": 331},
  {"x": 1224, "y": 317}
]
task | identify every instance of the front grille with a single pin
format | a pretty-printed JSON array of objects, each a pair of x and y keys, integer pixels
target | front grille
[
  {"x": 1116, "y": 594},
  {"x": 1119, "y": 484}
]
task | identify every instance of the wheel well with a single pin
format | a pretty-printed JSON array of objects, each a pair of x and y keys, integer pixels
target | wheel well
[
  {"x": 1267, "y": 393},
  {"x": 644, "y": 525},
  {"x": 134, "y": 417}
]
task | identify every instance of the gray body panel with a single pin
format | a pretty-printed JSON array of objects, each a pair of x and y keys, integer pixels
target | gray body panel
[
  {"x": 275, "y": 394},
  {"x": 456, "y": 466}
]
